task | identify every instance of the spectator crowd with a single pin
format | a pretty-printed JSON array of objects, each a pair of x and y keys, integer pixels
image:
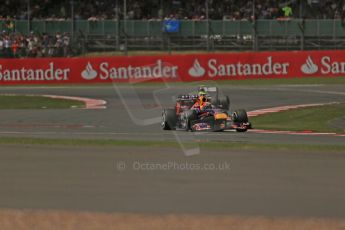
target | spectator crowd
[
  {"x": 158, "y": 9},
  {"x": 13, "y": 44},
  {"x": 16, "y": 45}
]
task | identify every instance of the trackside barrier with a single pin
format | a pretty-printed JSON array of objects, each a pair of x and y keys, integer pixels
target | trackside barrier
[{"x": 173, "y": 68}]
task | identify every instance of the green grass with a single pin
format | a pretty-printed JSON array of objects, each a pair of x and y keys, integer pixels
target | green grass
[
  {"x": 36, "y": 102},
  {"x": 170, "y": 144},
  {"x": 315, "y": 119}
]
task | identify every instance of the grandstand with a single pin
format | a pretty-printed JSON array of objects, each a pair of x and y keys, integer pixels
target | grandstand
[{"x": 52, "y": 28}]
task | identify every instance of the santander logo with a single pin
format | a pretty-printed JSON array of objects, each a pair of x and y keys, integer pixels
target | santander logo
[
  {"x": 89, "y": 73},
  {"x": 309, "y": 67},
  {"x": 196, "y": 70}
]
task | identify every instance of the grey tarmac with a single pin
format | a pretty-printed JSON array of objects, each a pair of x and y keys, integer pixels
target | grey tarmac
[
  {"x": 273, "y": 183},
  {"x": 164, "y": 180}
]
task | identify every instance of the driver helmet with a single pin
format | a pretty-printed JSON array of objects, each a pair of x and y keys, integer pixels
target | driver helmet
[
  {"x": 202, "y": 88},
  {"x": 201, "y": 91},
  {"x": 202, "y": 96}
]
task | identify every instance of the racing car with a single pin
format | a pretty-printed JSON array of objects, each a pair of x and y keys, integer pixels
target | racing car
[{"x": 214, "y": 116}]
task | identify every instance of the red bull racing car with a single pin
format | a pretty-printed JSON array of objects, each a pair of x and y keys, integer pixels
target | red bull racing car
[{"x": 213, "y": 116}]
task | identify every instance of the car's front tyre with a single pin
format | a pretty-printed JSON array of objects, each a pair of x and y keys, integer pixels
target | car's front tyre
[
  {"x": 188, "y": 117},
  {"x": 240, "y": 117},
  {"x": 169, "y": 119}
]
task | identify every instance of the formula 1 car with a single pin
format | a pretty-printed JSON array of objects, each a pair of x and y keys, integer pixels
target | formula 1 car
[{"x": 214, "y": 116}]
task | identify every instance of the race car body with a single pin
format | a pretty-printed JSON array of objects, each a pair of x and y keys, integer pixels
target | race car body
[{"x": 213, "y": 117}]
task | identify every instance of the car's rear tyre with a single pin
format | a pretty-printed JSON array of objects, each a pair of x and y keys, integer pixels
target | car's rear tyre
[
  {"x": 222, "y": 102},
  {"x": 169, "y": 119}
]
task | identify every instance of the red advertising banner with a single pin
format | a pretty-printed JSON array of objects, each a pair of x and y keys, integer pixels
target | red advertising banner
[{"x": 196, "y": 67}]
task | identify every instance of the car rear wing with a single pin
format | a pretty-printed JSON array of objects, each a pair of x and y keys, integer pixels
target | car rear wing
[{"x": 212, "y": 91}]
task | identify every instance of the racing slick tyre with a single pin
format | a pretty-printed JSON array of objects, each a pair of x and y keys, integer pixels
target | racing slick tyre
[
  {"x": 189, "y": 117},
  {"x": 224, "y": 102},
  {"x": 221, "y": 102},
  {"x": 168, "y": 119},
  {"x": 240, "y": 116}
]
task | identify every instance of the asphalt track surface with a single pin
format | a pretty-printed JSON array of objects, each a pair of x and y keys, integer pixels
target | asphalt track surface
[
  {"x": 273, "y": 183},
  {"x": 135, "y": 113}
]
